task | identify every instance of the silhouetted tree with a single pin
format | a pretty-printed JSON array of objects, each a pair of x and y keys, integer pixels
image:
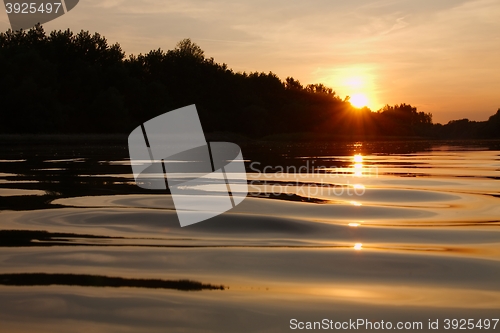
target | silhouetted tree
[
  {"x": 186, "y": 48},
  {"x": 492, "y": 126},
  {"x": 404, "y": 119},
  {"x": 80, "y": 83}
]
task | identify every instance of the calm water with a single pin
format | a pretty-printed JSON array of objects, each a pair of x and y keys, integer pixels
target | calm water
[{"x": 391, "y": 231}]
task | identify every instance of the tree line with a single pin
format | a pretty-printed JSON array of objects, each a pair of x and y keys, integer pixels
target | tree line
[{"x": 64, "y": 82}]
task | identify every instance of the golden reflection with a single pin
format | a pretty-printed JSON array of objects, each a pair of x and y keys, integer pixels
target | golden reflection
[
  {"x": 355, "y": 203},
  {"x": 358, "y": 246},
  {"x": 353, "y": 224},
  {"x": 358, "y": 165},
  {"x": 358, "y": 170},
  {"x": 432, "y": 296}
]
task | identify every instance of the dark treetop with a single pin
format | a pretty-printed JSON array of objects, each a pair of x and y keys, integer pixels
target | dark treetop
[{"x": 78, "y": 83}]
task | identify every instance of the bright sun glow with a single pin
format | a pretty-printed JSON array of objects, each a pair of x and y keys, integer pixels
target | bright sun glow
[
  {"x": 358, "y": 100},
  {"x": 354, "y": 82},
  {"x": 357, "y": 82}
]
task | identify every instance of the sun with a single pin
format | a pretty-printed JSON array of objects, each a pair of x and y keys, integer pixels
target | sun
[
  {"x": 358, "y": 83},
  {"x": 358, "y": 100}
]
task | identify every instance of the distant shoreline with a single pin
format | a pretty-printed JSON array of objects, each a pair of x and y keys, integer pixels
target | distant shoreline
[{"x": 231, "y": 137}]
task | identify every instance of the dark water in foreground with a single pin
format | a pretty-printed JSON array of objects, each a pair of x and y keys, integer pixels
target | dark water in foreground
[{"x": 392, "y": 231}]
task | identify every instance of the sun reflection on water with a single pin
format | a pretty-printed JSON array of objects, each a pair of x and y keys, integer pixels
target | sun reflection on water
[{"x": 358, "y": 165}]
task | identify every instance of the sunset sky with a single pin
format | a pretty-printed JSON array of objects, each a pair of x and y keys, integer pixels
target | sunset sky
[{"x": 441, "y": 56}]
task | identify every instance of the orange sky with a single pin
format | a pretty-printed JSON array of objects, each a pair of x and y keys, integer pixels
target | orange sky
[{"x": 441, "y": 56}]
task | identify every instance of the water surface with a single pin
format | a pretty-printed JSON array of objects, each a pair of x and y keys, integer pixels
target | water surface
[{"x": 393, "y": 231}]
